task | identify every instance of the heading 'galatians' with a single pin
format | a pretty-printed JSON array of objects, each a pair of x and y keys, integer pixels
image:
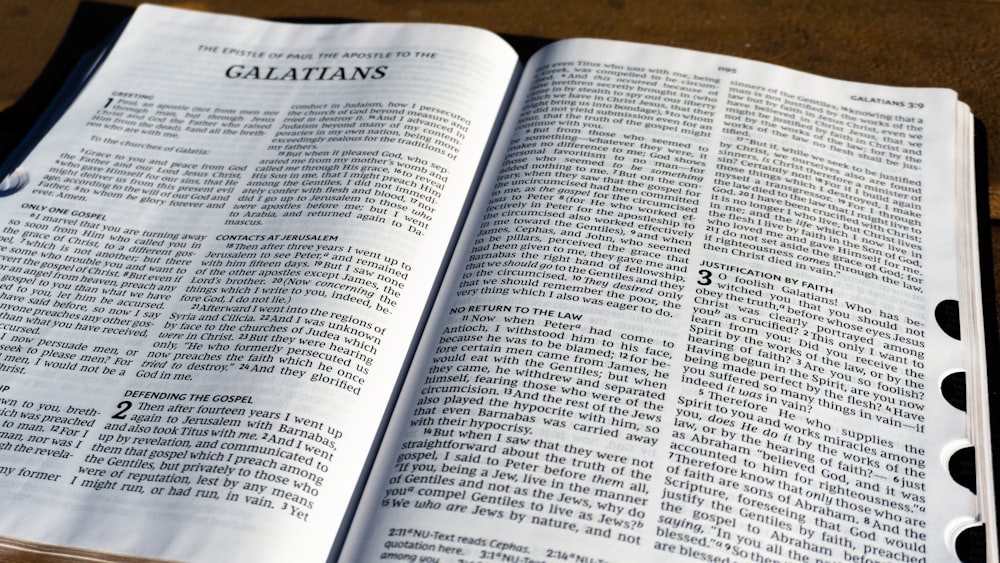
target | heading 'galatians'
[{"x": 305, "y": 73}]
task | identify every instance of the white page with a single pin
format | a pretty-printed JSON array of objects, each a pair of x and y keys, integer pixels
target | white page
[
  {"x": 603, "y": 275},
  {"x": 215, "y": 272}
]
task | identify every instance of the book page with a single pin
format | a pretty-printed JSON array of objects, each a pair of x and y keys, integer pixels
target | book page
[
  {"x": 212, "y": 271},
  {"x": 696, "y": 322}
]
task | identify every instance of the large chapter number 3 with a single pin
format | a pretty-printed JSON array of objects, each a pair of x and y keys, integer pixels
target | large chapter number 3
[{"x": 706, "y": 277}]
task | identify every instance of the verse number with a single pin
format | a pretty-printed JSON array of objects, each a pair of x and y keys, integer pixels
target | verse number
[
  {"x": 123, "y": 407},
  {"x": 705, "y": 277}
]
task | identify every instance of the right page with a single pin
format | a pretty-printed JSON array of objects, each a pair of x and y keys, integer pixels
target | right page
[{"x": 699, "y": 319}]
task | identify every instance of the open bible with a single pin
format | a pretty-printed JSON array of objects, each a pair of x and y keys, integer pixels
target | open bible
[{"x": 296, "y": 292}]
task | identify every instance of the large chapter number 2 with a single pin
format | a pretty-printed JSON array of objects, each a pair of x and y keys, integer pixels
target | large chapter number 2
[{"x": 124, "y": 406}]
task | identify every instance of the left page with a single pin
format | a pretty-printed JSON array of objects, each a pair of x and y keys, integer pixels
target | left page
[{"x": 211, "y": 273}]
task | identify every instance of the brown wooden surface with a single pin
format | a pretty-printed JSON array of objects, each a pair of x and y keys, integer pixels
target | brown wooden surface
[{"x": 952, "y": 44}]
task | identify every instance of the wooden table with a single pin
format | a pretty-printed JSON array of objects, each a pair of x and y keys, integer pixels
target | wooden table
[{"x": 941, "y": 43}]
